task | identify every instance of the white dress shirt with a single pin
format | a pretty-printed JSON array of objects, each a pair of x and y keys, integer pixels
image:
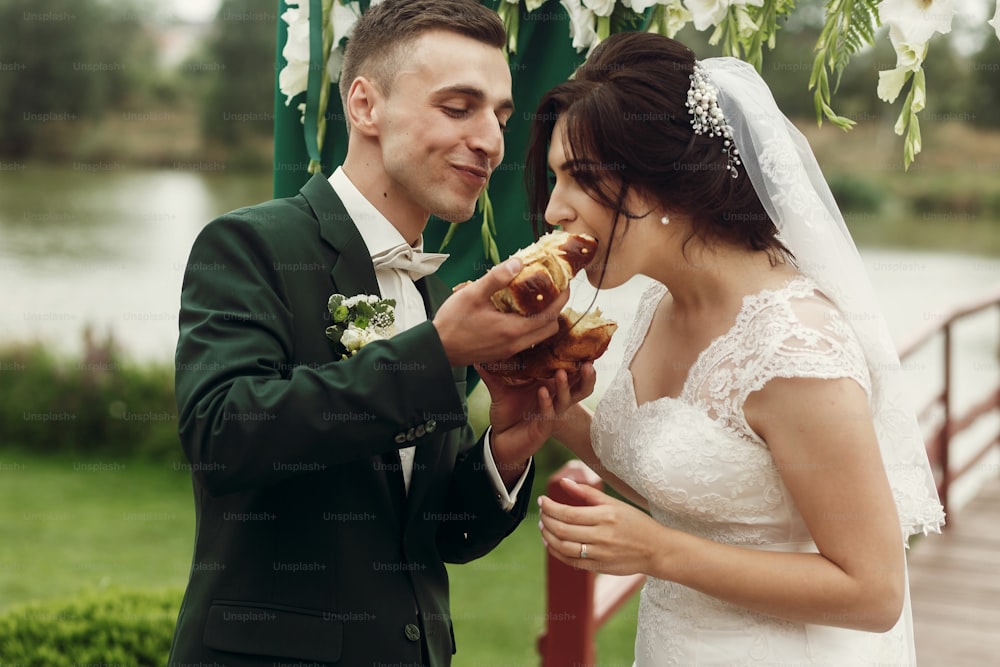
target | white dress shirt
[{"x": 379, "y": 235}]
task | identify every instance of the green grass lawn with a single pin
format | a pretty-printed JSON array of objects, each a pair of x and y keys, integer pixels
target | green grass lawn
[{"x": 69, "y": 524}]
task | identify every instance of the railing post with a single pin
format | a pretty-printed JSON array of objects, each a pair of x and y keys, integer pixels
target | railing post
[
  {"x": 568, "y": 638},
  {"x": 943, "y": 453}
]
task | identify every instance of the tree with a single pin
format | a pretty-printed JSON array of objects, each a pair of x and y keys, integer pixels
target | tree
[
  {"x": 239, "y": 96},
  {"x": 63, "y": 62},
  {"x": 984, "y": 92}
]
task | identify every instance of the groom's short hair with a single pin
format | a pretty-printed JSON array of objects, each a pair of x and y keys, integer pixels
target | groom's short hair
[{"x": 377, "y": 46}]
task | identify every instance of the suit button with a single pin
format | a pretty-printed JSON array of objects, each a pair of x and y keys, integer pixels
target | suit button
[
  {"x": 431, "y": 425},
  {"x": 411, "y": 434},
  {"x": 421, "y": 431},
  {"x": 400, "y": 438},
  {"x": 412, "y": 632}
]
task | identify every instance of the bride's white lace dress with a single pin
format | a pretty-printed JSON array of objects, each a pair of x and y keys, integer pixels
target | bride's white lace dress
[{"x": 703, "y": 470}]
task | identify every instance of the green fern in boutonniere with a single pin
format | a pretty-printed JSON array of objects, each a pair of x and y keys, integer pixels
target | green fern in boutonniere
[{"x": 359, "y": 320}]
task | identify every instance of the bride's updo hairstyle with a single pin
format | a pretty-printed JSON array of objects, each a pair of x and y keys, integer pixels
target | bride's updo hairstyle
[{"x": 627, "y": 126}]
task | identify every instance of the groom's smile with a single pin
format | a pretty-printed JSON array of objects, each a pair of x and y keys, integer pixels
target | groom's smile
[{"x": 441, "y": 124}]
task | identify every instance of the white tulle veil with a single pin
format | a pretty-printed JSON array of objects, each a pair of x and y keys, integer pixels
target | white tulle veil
[{"x": 789, "y": 183}]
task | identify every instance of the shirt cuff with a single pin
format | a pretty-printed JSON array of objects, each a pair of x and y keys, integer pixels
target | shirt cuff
[{"x": 507, "y": 499}]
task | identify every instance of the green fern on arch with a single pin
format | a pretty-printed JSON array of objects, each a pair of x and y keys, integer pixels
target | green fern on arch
[{"x": 850, "y": 26}]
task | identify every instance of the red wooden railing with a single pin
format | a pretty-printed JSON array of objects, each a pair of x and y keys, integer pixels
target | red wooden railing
[
  {"x": 579, "y": 602},
  {"x": 946, "y": 424}
]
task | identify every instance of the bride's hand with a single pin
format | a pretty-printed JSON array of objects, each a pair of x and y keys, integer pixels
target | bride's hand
[{"x": 619, "y": 538}]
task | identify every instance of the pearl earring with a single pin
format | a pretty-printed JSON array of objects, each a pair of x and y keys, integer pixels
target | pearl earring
[{"x": 664, "y": 220}]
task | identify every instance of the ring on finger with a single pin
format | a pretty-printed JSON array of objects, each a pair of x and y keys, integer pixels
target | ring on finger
[{"x": 583, "y": 551}]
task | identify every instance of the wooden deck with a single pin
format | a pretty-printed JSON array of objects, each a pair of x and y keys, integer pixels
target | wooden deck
[{"x": 955, "y": 587}]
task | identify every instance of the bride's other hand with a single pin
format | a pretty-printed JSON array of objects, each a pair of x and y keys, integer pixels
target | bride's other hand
[{"x": 614, "y": 532}]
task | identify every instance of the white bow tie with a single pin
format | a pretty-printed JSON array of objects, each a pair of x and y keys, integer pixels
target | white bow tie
[{"x": 405, "y": 258}]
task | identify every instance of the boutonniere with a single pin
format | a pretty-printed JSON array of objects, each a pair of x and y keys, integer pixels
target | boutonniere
[{"x": 359, "y": 320}]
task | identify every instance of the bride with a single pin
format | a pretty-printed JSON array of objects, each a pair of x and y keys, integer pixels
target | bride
[{"x": 755, "y": 416}]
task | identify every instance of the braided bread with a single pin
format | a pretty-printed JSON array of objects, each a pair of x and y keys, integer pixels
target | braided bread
[
  {"x": 568, "y": 349},
  {"x": 548, "y": 265}
]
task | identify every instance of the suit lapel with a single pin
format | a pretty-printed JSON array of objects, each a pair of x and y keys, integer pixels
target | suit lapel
[{"x": 352, "y": 271}]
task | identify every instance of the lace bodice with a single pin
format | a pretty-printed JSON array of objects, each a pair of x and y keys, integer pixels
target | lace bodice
[
  {"x": 695, "y": 457},
  {"x": 705, "y": 471}
]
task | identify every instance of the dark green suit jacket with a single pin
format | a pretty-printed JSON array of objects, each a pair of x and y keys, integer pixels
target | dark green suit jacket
[{"x": 307, "y": 548}]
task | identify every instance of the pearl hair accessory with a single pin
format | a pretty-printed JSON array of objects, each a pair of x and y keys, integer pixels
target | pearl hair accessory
[{"x": 706, "y": 116}]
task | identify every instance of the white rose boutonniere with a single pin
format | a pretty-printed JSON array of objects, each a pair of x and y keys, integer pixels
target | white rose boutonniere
[{"x": 359, "y": 320}]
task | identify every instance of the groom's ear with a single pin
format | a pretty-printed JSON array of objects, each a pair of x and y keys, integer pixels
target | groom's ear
[{"x": 364, "y": 106}]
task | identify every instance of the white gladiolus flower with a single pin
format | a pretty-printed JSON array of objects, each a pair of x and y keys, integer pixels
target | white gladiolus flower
[
  {"x": 910, "y": 56},
  {"x": 639, "y": 6},
  {"x": 915, "y": 21},
  {"x": 675, "y": 14},
  {"x": 911, "y": 25},
  {"x": 342, "y": 19},
  {"x": 707, "y": 13},
  {"x": 581, "y": 24},
  {"x": 677, "y": 17},
  {"x": 919, "y": 95},
  {"x": 745, "y": 25},
  {"x": 600, "y": 7},
  {"x": 294, "y": 76},
  {"x": 890, "y": 83}
]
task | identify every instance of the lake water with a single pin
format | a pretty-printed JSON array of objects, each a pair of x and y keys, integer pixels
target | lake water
[{"x": 105, "y": 247}]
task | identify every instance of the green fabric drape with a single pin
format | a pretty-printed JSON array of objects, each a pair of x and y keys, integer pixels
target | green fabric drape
[{"x": 544, "y": 58}]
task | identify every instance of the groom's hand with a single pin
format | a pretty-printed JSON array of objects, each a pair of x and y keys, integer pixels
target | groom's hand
[
  {"x": 472, "y": 330},
  {"x": 524, "y": 416}
]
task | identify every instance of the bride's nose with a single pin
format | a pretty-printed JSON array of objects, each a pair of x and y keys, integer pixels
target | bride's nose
[{"x": 558, "y": 213}]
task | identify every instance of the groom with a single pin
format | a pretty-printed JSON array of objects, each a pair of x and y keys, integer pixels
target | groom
[{"x": 330, "y": 493}]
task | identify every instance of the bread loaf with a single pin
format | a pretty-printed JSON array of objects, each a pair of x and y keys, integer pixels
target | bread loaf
[
  {"x": 548, "y": 265},
  {"x": 568, "y": 349}
]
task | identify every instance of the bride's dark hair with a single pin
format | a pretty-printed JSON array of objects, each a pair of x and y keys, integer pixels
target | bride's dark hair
[{"x": 627, "y": 127}]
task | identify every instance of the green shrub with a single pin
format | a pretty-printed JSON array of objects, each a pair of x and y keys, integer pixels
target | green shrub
[
  {"x": 93, "y": 404},
  {"x": 111, "y": 627},
  {"x": 954, "y": 198},
  {"x": 993, "y": 205},
  {"x": 856, "y": 194}
]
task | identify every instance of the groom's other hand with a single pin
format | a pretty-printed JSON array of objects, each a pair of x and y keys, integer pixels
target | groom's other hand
[
  {"x": 472, "y": 330},
  {"x": 524, "y": 416}
]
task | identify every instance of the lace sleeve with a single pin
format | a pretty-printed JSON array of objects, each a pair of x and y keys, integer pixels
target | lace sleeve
[
  {"x": 791, "y": 333},
  {"x": 808, "y": 338}
]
